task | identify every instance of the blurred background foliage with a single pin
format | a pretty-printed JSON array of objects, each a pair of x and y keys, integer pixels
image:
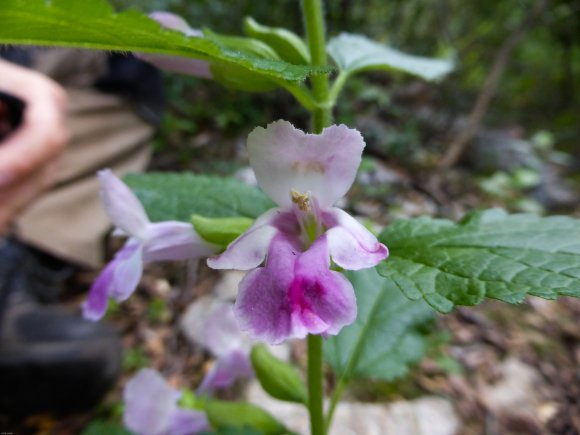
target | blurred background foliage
[{"x": 538, "y": 90}]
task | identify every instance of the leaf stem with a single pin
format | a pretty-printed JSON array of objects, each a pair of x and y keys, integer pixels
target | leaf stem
[
  {"x": 315, "y": 32},
  {"x": 315, "y": 387}
]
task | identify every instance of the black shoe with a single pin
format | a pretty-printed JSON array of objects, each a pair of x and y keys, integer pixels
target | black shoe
[{"x": 51, "y": 361}]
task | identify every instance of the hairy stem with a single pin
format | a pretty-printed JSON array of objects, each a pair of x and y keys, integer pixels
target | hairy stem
[{"x": 315, "y": 32}]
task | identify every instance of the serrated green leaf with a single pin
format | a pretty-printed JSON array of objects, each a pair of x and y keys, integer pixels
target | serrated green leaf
[
  {"x": 287, "y": 44},
  {"x": 278, "y": 378},
  {"x": 93, "y": 24},
  {"x": 355, "y": 53},
  {"x": 176, "y": 196},
  {"x": 220, "y": 231},
  {"x": 487, "y": 254},
  {"x": 385, "y": 338},
  {"x": 223, "y": 414}
]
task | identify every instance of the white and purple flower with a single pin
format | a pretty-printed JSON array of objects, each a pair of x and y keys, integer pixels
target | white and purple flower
[
  {"x": 163, "y": 241},
  {"x": 151, "y": 408},
  {"x": 211, "y": 324},
  {"x": 296, "y": 293}
]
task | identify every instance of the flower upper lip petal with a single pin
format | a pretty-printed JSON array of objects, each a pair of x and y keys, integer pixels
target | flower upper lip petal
[
  {"x": 285, "y": 159},
  {"x": 122, "y": 206}
]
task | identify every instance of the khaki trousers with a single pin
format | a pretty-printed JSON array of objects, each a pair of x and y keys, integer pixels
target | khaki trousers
[{"x": 69, "y": 220}]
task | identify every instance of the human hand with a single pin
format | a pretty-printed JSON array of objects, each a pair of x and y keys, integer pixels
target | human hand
[{"x": 28, "y": 156}]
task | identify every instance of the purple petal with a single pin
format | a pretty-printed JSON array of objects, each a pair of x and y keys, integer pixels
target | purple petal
[
  {"x": 226, "y": 370},
  {"x": 174, "y": 22},
  {"x": 320, "y": 296},
  {"x": 173, "y": 240},
  {"x": 285, "y": 159},
  {"x": 95, "y": 306},
  {"x": 177, "y": 64},
  {"x": 188, "y": 421},
  {"x": 122, "y": 206},
  {"x": 294, "y": 295},
  {"x": 351, "y": 245},
  {"x": 128, "y": 270},
  {"x": 221, "y": 335},
  {"x": 249, "y": 250},
  {"x": 150, "y": 403}
]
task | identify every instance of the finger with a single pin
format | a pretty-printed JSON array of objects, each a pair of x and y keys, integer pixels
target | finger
[
  {"x": 43, "y": 132},
  {"x": 16, "y": 197}
]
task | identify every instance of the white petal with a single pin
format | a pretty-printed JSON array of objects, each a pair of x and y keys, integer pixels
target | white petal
[
  {"x": 174, "y": 240},
  {"x": 249, "y": 250},
  {"x": 221, "y": 334},
  {"x": 150, "y": 403},
  {"x": 351, "y": 245},
  {"x": 285, "y": 159},
  {"x": 122, "y": 206}
]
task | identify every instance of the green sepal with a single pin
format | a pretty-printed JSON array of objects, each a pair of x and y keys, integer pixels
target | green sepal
[
  {"x": 289, "y": 46},
  {"x": 189, "y": 400},
  {"x": 223, "y": 414},
  {"x": 220, "y": 231},
  {"x": 278, "y": 379},
  {"x": 250, "y": 46}
]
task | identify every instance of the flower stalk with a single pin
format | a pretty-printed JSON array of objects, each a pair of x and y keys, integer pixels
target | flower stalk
[
  {"x": 321, "y": 117},
  {"x": 315, "y": 31}
]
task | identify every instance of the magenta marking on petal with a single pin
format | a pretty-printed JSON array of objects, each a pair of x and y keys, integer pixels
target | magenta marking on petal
[{"x": 294, "y": 294}]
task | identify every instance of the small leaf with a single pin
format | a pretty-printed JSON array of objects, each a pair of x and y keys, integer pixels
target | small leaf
[
  {"x": 355, "y": 53},
  {"x": 176, "y": 196},
  {"x": 93, "y": 24},
  {"x": 385, "y": 338},
  {"x": 251, "y": 46},
  {"x": 278, "y": 379},
  {"x": 487, "y": 254},
  {"x": 289, "y": 46},
  {"x": 230, "y": 415},
  {"x": 220, "y": 231}
]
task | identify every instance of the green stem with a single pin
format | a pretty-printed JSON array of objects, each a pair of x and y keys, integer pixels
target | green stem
[
  {"x": 315, "y": 381},
  {"x": 315, "y": 32},
  {"x": 336, "y": 395},
  {"x": 321, "y": 117},
  {"x": 337, "y": 86}
]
